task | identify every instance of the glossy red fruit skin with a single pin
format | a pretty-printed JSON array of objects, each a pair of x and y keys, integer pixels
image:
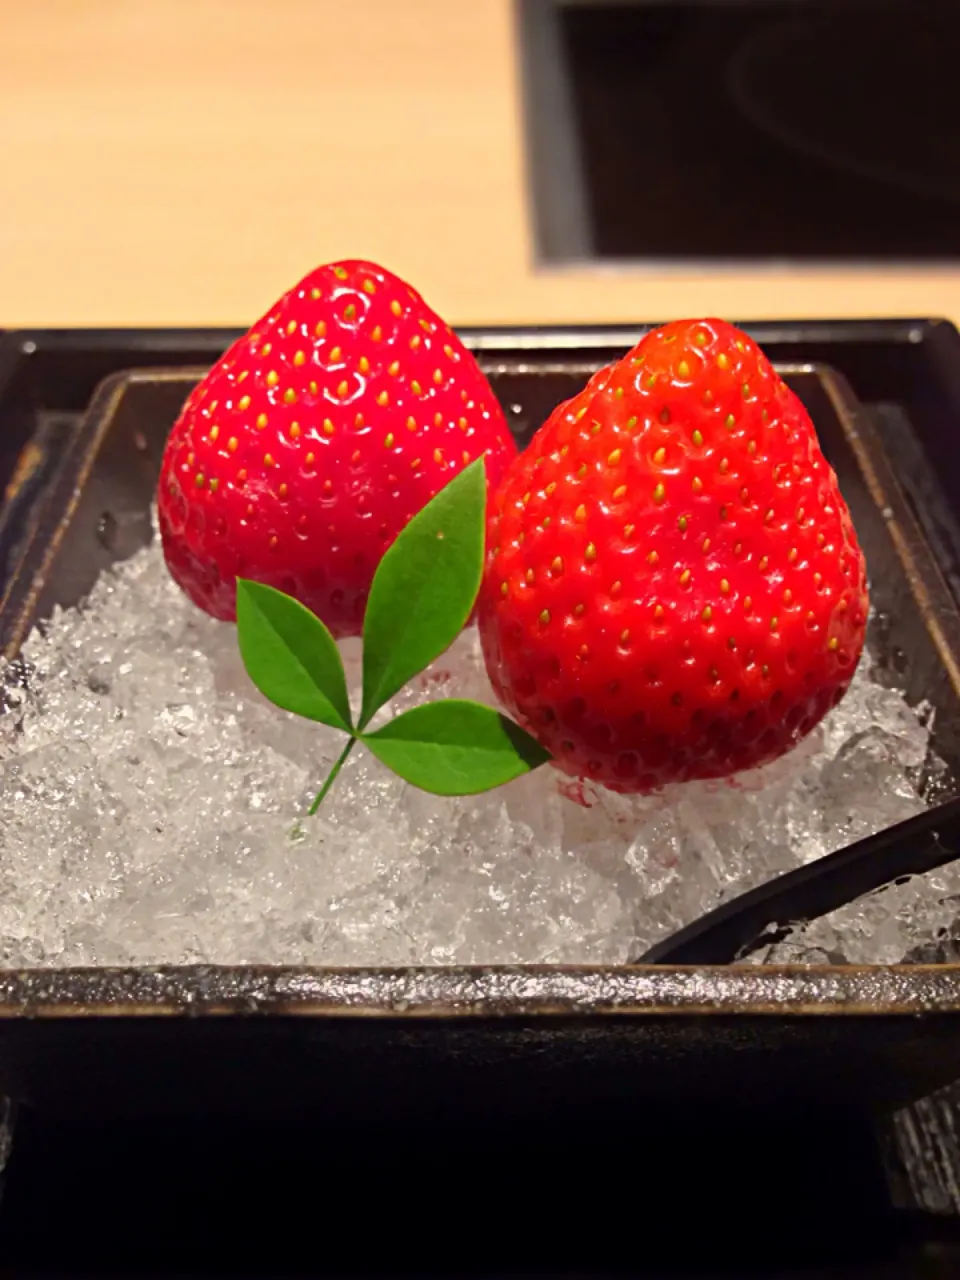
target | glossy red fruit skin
[
  {"x": 674, "y": 588},
  {"x": 316, "y": 438}
]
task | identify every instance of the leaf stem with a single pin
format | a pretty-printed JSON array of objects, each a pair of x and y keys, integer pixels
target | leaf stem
[{"x": 331, "y": 777}]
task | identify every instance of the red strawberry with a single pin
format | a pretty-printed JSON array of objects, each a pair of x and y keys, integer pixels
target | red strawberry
[
  {"x": 674, "y": 588},
  {"x": 316, "y": 438}
]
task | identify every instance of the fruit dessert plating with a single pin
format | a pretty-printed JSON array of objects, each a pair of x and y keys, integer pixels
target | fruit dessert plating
[
  {"x": 655, "y": 610},
  {"x": 673, "y": 588}
]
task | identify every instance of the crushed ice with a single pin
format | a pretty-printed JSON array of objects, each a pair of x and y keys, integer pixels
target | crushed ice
[{"x": 149, "y": 799}]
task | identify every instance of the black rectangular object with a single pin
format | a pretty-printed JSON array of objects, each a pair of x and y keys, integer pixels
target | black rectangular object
[{"x": 710, "y": 131}]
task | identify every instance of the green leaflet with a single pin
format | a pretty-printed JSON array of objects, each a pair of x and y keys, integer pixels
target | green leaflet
[
  {"x": 455, "y": 747},
  {"x": 424, "y": 588},
  {"x": 290, "y": 655}
]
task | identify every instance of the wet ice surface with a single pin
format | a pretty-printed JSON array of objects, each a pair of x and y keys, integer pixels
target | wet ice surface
[{"x": 149, "y": 799}]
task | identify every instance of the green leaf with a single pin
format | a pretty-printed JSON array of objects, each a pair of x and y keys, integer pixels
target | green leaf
[
  {"x": 424, "y": 588},
  {"x": 455, "y": 747},
  {"x": 290, "y": 655}
]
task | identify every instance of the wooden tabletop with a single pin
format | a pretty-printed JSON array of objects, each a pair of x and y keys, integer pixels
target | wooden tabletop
[{"x": 184, "y": 161}]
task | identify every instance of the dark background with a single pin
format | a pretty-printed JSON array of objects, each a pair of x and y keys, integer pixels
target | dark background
[{"x": 754, "y": 129}]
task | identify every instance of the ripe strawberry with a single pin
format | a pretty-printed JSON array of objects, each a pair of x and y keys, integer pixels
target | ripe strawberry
[
  {"x": 316, "y": 438},
  {"x": 674, "y": 588}
]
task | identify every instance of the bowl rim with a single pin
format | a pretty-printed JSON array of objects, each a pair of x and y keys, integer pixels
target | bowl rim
[{"x": 537, "y": 992}]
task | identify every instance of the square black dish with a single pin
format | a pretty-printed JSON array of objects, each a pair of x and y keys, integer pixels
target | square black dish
[
  {"x": 135, "y": 1064},
  {"x": 92, "y": 508}
]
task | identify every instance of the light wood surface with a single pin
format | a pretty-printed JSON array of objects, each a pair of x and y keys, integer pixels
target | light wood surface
[{"x": 184, "y": 161}]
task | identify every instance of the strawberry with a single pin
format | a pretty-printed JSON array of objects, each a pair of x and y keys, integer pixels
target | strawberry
[
  {"x": 673, "y": 588},
  {"x": 316, "y": 438}
]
